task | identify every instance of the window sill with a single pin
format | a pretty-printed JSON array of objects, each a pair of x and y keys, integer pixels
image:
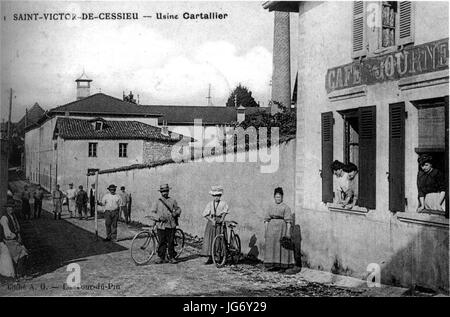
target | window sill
[
  {"x": 360, "y": 211},
  {"x": 426, "y": 218}
]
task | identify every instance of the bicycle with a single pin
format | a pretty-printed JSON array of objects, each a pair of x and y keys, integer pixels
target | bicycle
[
  {"x": 145, "y": 243},
  {"x": 224, "y": 248}
]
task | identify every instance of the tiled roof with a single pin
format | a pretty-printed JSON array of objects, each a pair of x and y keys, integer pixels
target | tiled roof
[
  {"x": 179, "y": 115},
  {"x": 80, "y": 129},
  {"x": 32, "y": 117},
  {"x": 102, "y": 104}
]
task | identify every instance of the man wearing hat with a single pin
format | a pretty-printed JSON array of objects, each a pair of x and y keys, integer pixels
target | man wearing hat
[
  {"x": 165, "y": 211},
  {"x": 111, "y": 204}
]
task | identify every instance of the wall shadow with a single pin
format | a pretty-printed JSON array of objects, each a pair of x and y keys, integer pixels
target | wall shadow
[
  {"x": 55, "y": 243},
  {"x": 423, "y": 265}
]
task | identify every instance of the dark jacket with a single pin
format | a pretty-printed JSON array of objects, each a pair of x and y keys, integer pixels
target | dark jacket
[
  {"x": 81, "y": 198},
  {"x": 431, "y": 182}
]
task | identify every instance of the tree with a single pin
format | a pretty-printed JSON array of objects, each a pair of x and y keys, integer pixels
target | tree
[{"x": 241, "y": 96}]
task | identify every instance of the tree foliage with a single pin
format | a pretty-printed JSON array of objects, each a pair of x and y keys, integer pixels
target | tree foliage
[
  {"x": 241, "y": 96},
  {"x": 285, "y": 120}
]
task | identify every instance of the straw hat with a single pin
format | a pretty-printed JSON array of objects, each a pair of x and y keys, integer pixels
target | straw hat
[{"x": 216, "y": 190}]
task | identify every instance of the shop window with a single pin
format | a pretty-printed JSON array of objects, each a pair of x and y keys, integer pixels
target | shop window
[
  {"x": 433, "y": 125},
  {"x": 378, "y": 25},
  {"x": 92, "y": 152},
  {"x": 359, "y": 149}
]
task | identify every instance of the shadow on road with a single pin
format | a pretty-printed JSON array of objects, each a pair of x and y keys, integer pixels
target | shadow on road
[{"x": 56, "y": 243}]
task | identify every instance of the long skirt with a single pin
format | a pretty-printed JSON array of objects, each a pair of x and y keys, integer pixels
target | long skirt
[
  {"x": 6, "y": 263},
  {"x": 211, "y": 231},
  {"x": 276, "y": 255},
  {"x": 432, "y": 202},
  {"x": 16, "y": 249}
]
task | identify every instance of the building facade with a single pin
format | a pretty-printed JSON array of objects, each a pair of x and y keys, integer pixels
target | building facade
[{"x": 373, "y": 91}]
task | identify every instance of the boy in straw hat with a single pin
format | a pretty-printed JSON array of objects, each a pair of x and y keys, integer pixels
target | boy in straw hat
[
  {"x": 215, "y": 212},
  {"x": 165, "y": 211}
]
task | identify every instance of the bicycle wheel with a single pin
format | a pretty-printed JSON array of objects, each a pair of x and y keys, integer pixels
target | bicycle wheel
[
  {"x": 143, "y": 247},
  {"x": 235, "y": 248},
  {"x": 219, "y": 249},
  {"x": 179, "y": 242}
]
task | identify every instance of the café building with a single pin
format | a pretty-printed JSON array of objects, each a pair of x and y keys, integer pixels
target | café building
[{"x": 372, "y": 91}]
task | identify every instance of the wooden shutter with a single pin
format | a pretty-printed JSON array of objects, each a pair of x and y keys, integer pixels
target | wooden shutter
[
  {"x": 358, "y": 29},
  {"x": 405, "y": 23},
  {"x": 367, "y": 157},
  {"x": 397, "y": 157},
  {"x": 327, "y": 157}
]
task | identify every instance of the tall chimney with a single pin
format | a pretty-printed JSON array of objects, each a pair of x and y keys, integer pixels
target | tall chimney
[
  {"x": 281, "y": 75},
  {"x": 83, "y": 86}
]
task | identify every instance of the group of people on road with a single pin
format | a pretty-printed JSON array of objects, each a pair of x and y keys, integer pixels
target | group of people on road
[
  {"x": 28, "y": 199},
  {"x": 77, "y": 202},
  {"x": 278, "y": 220}
]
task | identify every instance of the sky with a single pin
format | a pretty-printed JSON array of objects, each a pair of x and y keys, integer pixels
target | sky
[{"x": 162, "y": 61}]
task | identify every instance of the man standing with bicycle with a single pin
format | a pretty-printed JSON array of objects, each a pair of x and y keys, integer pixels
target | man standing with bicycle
[{"x": 165, "y": 211}]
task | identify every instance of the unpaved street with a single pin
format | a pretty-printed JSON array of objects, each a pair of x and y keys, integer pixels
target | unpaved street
[{"x": 108, "y": 270}]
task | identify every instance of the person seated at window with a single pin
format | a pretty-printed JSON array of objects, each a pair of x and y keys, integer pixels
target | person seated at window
[
  {"x": 341, "y": 181},
  {"x": 430, "y": 185},
  {"x": 350, "y": 196}
]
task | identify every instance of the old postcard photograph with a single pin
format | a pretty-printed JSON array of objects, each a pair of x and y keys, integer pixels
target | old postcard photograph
[{"x": 245, "y": 149}]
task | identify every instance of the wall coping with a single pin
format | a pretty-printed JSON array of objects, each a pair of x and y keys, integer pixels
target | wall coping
[
  {"x": 424, "y": 80},
  {"x": 251, "y": 147},
  {"x": 347, "y": 93}
]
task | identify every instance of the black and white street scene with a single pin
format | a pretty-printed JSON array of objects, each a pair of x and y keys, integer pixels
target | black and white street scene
[{"x": 225, "y": 149}]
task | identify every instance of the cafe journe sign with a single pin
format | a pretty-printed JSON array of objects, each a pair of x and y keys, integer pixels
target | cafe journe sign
[{"x": 415, "y": 60}]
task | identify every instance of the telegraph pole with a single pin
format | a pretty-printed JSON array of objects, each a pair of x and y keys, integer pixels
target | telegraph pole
[
  {"x": 209, "y": 95},
  {"x": 9, "y": 132}
]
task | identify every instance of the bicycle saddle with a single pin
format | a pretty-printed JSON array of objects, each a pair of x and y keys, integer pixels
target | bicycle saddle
[{"x": 231, "y": 223}]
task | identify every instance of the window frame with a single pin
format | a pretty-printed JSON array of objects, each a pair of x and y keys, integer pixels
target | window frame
[
  {"x": 366, "y": 50},
  {"x": 425, "y": 103},
  {"x": 123, "y": 150},
  {"x": 92, "y": 152}
]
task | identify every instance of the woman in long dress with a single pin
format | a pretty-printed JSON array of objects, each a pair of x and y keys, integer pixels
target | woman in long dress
[
  {"x": 12, "y": 239},
  {"x": 6, "y": 262},
  {"x": 278, "y": 222},
  {"x": 215, "y": 212}
]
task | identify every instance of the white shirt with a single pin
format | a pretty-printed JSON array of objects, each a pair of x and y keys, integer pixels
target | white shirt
[
  {"x": 341, "y": 183},
  {"x": 111, "y": 202},
  {"x": 71, "y": 193}
]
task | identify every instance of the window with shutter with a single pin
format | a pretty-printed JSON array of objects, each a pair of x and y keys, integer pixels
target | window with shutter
[
  {"x": 327, "y": 157},
  {"x": 405, "y": 22},
  {"x": 358, "y": 29},
  {"x": 367, "y": 157},
  {"x": 396, "y": 176}
]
